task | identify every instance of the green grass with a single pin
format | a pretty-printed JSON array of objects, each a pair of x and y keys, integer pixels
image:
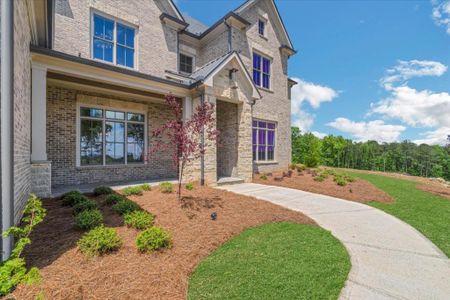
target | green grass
[
  {"x": 274, "y": 261},
  {"x": 428, "y": 213}
]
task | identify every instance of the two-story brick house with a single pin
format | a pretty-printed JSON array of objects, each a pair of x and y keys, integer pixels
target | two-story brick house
[{"x": 90, "y": 77}]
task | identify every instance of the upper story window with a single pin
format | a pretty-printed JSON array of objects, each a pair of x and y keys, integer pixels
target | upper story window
[
  {"x": 261, "y": 70},
  {"x": 111, "y": 137},
  {"x": 262, "y": 27},
  {"x": 113, "y": 42},
  {"x": 186, "y": 63}
]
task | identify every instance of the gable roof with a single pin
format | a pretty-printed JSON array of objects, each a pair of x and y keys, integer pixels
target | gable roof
[
  {"x": 210, "y": 69},
  {"x": 195, "y": 26},
  {"x": 249, "y": 3}
]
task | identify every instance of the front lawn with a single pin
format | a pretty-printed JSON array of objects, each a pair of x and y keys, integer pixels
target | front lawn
[
  {"x": 274, "y": 261},
  {"x": 428, "y": 213}
]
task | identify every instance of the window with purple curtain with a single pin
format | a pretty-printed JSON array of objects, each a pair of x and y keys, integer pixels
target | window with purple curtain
[
  {"x": 261, "y": 71},
  {"x": 263, "y": 140}
]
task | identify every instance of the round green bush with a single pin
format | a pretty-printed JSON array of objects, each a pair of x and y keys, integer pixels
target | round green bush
[
  {"x": 72, "y": 198},
  {"x": 125, "y": 206},
  {"x": 152, "y": 239},
  {"x": 263, "y": 177},
  {"x": 133, "y": 190},
  {"x": 319, "y": 178},
  {"x": 189, "y": 186},
  {"x": 86, "y": 204},
  {"x": 113, "y": 199},
  {"x": 138, "y": 219},
  {"x": 99, "y": 240},
  {"x": 103, "y": 190},
  {"x": 89, "y": 219},
  {"x": 166, "y": 187},
  {"x": 146, "y": 187}
]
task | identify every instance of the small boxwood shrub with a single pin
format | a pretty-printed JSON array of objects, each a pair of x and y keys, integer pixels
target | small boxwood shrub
[
  {"x": 133, "y": 190},
  {"x": 126, "y": 206},
  {"x": 340, "y": 181},
  {"x": 89, "y": 219},
  {"x": 263, "y": 177},
  {"x": 146, "y": 187},
  {"x": 113, "y": 199},
  {"x": 72, "y": 198},
  {"x": 153, "y": 239},
  {"x": 103, "y": 190},
  {"x": 189, "y": 186},
  {"x": 86, "y": 204},
  {"x": 138, "y": 219},
  {"x": 319, "y": 178},
  {"x": 166, "y": 187},
  {"x": 99, "y": 240}
]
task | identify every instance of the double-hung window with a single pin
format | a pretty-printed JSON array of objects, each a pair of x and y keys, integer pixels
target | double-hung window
[
  {"x": 261, "y": 70},
  {"x": 263, "y": 138},
  {"x": 111, "y": 137},
  {"x": 186, "y": 63},
  {"x": 113, "y": 42}
]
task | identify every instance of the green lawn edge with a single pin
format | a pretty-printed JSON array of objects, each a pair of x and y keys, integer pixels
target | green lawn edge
[
  {"x": 274, "y": 261},
  {"x": 426, "y": 212}
]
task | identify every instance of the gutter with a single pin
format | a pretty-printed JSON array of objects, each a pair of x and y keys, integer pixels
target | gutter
[{"x": 7, "y": 125}]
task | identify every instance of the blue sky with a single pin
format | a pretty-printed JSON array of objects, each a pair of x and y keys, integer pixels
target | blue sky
[{"x": 367, "y": 69}]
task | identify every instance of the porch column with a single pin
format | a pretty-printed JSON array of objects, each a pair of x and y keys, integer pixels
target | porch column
[
  {"x": 245, "y": 158},
  {"x": 187, "y": 108},
  {"x": 211, "y": 150},
  {"x": 40, "y": 166}
]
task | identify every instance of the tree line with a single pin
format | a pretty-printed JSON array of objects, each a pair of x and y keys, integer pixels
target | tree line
[{"x": 404, "y": 157}]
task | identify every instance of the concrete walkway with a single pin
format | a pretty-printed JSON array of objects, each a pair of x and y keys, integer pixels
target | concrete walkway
[{"x": 390, "y": 259}]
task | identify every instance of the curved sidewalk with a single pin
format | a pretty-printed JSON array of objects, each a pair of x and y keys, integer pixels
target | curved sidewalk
[{"x": 390, "y": 259}]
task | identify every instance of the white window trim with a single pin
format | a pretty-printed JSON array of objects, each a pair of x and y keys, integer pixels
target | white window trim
[
  {"x": 275, "y": 150},
  {"x": 103, "y": 119},
  {"x": 264, "y": 20},
  {"x": 270, "y": 89},
  {"x": 179, "y": 62},
  {"x": 115, "y": 20}
]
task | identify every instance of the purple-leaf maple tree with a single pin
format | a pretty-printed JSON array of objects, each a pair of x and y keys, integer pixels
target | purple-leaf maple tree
[{"x": 183, "y": 140}]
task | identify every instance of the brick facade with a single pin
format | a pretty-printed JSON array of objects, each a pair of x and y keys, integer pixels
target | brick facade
[
  {"x": 227, "y": 149},
  {"x": 61, "y": 139}
]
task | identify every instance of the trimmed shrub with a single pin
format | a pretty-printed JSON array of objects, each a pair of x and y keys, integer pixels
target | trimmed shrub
[
  {"x": 153, "y": 239},
  {"x": 340, "y": 181},
  {"x": 263, "y": 177},
  {"x": 72, "y": 198},
  {"x": 189, "y": 186},
  {"x": 319, "y": 178},
  {"x": 349, "y": 178},
  {"x": 126, "y": 206},
  {"x": 133, "y": 190},
  {"x": 86, "y": 204},
  {"x": 166, "y": 187},
  {"x": 300, "y": 167},
  {"x": 146, "y": 187},
  {"x": 89, "y": 219},
  {"x": 292, "y": 166},
  {"x": 103, "y": 190},
  {"x": 138, "y": 219},
  {"x": 99, "y": 240},
  {"x": 113, "y": 199}
]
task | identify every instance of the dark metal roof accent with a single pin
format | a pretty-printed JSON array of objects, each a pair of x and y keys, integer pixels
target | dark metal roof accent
[
  {"x": 172, "y": 18},
  {"x": 98, "y": 64}
]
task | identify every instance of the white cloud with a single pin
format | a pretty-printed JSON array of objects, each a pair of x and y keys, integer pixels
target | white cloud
[
  {"x": 311, "y": 93},
  {"x": 435, "y": 137},
  {"x": 406, "y": 70},
  {"x": 441, "y": 14},
  {"x": 320, "y": 135},
  {"x": 373, "y": 130}
]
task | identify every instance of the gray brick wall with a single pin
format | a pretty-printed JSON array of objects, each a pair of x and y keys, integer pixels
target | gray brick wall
[
  {"x": 61, "y": 143},
  {"x": 227, "y": 148},
  {"x": 22, "y": 107}
]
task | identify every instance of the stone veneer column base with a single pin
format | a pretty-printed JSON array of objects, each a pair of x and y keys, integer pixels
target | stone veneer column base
[{"x": 41, "y": 178}]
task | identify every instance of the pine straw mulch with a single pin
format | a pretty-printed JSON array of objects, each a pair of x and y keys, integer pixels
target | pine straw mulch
[
  {"x": 128, "y": 274},
  {"x": 359, "y": 190},
  {"x": 437, "y": 189}
]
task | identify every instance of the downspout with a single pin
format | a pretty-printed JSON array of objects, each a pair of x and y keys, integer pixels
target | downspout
[
  {"x": 202, "y": 145},
  {"x": 7, "y": 125}
]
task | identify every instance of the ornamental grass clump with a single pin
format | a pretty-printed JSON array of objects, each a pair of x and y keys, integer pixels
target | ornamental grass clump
[
  {"x": 103, "y": 190},
  {"x": 72, "y": 198},
  {"x": 126, "y": 206},
  {"x": 86, "y": 204},
  {"x": 152, "y": 239},
  {"x": 100, "y": 240},
  {"x": 113, "y": 199},
  {"x": 166, "y": 187},
  {"x": 89, "y": 219},
  {"x": 139, "y": 219},
  {"x": 14, "y": 271}
]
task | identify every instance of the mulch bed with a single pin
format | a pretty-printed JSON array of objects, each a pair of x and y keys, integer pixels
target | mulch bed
[
  {"x": 436, "y": 189},
  {"x": 359, "y": 190},
  {"x": 128, "y": 274}
]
